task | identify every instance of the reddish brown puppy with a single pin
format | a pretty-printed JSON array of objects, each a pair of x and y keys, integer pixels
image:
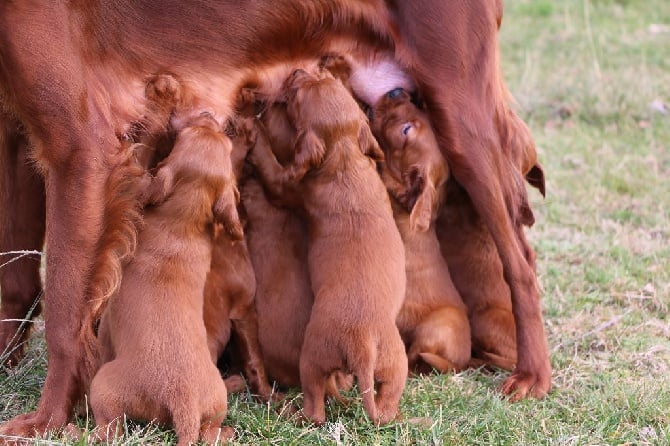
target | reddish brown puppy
[
  {"x": 230, "y": 302},
  {"x": 157, "y": 313},
  {"x": 355, "y": 254},
  {"x": 433, "y": 320},
  {"x": 277, "y": 239}
]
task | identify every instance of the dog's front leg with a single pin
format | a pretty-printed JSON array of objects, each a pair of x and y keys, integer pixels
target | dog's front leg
[{"x": 75, "y": 145}]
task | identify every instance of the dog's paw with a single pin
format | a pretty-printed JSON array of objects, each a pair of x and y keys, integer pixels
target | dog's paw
[
  {"x": 522, "y": 385},
  {"x": 28, "y": 425}
]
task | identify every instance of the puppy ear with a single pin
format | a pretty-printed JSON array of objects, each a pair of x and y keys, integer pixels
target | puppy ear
[
  {"x": 425, "y": 183},
  {"x": 369, "y": 145},
  {"x": 422, "y": 212},
  {"x": 225, "y": 212},
  {"x": 309, "y": 151}
]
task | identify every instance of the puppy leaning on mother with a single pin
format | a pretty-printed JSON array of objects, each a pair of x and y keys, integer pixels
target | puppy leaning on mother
[{"x": 73, "y": 73}]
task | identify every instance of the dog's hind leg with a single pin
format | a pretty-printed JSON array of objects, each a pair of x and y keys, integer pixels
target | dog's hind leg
[
  {"x": 21, "y": 229},
  {"x": 106, "y": 397},
  {"x": 494, "y": 337},
  {"x": 313, "y": 382},
  {"x": 211, "y": 429}
]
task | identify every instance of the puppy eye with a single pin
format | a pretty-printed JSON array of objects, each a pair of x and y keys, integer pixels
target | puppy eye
[{"x": 406, "y": 127}]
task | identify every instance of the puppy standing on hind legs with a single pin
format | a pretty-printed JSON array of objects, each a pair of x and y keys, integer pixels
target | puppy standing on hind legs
[
  {"x": 355, "y": 254},
  {"x": 153, "y": 332}
]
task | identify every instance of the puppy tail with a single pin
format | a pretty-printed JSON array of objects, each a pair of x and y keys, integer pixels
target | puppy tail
[
  {"x": 366, "y": 386},
  {"x": 122, "y": 219},
  {"x": 333, "y": 391}
]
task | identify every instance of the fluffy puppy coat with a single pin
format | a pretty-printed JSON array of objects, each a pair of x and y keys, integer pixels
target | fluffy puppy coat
[
  {"x": 355, "y": 255},
  {"x": 152, "y": 331},
  {"x": 433, "y": 320}
]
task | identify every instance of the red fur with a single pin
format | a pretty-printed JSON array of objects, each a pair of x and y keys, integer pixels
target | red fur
[
  {"x": 277, "y": 239},
  {"x": 433, "y": 321},
  {"x": 355, "y": 254},
  {"x": 75, "y": 81},
  {"x": 21, "y": 229},
  {"x": 157, "y": 313}
]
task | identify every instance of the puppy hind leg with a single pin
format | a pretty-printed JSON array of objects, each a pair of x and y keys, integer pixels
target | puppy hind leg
[
  {"x": 246, "y": 331},
  {"x": 313, "y": 382},
  {"x": 442, "y": 341},
  {"x": 366, "y": 387},
  {"x": 391, "y": 375},
  {"x": 186, "y": 418},
  {"x": 212, "y": 430},
  {"x": 494, "y": 337},
  {"x": 107, "y": 395}
]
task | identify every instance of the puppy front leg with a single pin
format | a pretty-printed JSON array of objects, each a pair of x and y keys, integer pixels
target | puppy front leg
[
  {"x": 160, "y": 187},
  {"x": 225, "y": 211},
  {"x": 277, "y": 180}
]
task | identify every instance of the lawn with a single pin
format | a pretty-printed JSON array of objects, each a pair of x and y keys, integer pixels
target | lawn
[{"x": 592, "y": 79}]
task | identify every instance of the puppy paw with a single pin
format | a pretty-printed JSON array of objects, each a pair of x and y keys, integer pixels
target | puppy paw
[{"x": 216, "y": 435}]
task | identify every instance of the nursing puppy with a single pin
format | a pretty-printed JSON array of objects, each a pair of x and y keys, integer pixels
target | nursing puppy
[
  {"x": 230, "y": 303},
  {"x": 470, "y": 252},
  {"x": 277, "y": 240},
  {"x": 355, "y": 254},
  {"x": 433, "y": 320},
  {"x": 152, "y": 331}
]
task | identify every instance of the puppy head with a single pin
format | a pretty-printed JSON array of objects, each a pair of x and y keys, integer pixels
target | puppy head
[
  {"x": 280, "y": 131},
  {"x": 416, "y": 171},
  {"x": 201, "y": 157},
  {"x": 320, "y": 106}
]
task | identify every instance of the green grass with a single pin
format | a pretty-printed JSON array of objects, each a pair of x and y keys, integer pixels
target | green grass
[{"x": 584, "y": 74}]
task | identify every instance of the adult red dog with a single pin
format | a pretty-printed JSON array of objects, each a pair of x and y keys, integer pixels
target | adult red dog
[{"x": 73, "y": 73}]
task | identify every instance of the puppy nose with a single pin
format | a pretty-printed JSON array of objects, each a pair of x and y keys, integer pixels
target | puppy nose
[{"x": 395, "y": 93}]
